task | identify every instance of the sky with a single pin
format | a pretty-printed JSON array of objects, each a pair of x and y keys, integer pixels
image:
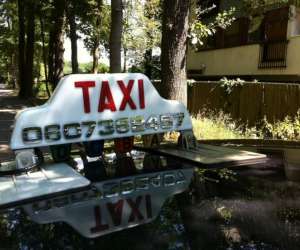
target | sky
[{"x": 83, "y": 55}]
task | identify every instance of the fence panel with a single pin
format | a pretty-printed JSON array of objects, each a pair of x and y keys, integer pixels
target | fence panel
[{"x": 248, "y": 103}]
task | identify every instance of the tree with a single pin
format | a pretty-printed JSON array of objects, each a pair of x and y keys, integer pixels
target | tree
[
  {"x": 176, "y": 31},
  {"x": 21, "y": 46},
  {"x": 95, "y": 25},
  {"x": 56, "y": 42},
  {"x": 30, "y": 34},
  {"x": 175, "y": 25},
  {"x": 26, "y": 48},
  {"x": 141, "y": 31},
  {"x": 8, "y": 41},
  {"x": 116, "y": 36},
  {"x": 44, "y": 49},
  {"x": 71, "y": 15},
  {"x": 152, "y": 14}
]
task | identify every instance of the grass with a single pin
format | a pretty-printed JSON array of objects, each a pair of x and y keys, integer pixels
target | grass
[
  {"x": 212, "y": 125},
  {"x": 220, "y": 126},
  {"x": 85, "y": 68}
]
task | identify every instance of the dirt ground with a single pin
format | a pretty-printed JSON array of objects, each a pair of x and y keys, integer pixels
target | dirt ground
[
  {"x": 258, "y": 211},
  {"x": 9, "y": 106}
]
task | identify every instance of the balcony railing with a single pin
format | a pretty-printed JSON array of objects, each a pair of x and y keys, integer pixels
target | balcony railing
[
  {"x": 275, "y": 3},
  {"x": 294, "y": 2},
  {"x": 273, "y": 55},
  {"x": 258, "y": 6}
]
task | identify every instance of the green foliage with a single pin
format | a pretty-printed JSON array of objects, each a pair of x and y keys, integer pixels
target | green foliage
[
  {"x": 139, "y": 67},
  {"x": 200, "y": 30},
  {"x": 141, "y": 28},
  {"x": 212, "y": 125},
  {"x": 229, "y": 84},
  {"x": 8, "y": 43},
  {"x": 218, "y": 125},
  {"x": 287, "y": 129},
  {"x": 67, "y": 68},
  {"x": 202, "y": 175},
  {"x": 40, "y": 90},
  {"x": 94, "y": 22},
  {"x": 85, "y": 68}
]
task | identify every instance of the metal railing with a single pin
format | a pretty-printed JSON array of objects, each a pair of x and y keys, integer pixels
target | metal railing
[
  {"x": 279, "y": 3},
  {"x": 273, "y": 55},
  {"x": 259, "y": 7},
  {"x": 294, "y": 2}
]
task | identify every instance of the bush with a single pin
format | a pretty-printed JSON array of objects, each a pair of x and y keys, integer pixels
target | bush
[
  {"x": 87, "y": 68},
  {"x": 288, "y": 129}
]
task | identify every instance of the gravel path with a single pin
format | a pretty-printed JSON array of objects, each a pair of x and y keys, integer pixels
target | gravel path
[{"x": 10, "y": 104}]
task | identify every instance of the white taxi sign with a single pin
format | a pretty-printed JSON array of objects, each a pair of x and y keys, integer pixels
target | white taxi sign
[{"x": 87, "y": 107}]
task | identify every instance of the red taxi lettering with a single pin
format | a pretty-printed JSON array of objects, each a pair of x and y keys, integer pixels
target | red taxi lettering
[
  {"x": 141, "y": 93},
  {"x": 105, "y": 93},
  {"x": 135, "y": 212},
  {"x": 126, "y": 95},
  {"x": 148, "y": 206},
  {"x": 115, "y": 210},
  {"x": 98, "y": 219},
  {"x": 106, "y": 100},
  {"x": 85, "y": 85}
]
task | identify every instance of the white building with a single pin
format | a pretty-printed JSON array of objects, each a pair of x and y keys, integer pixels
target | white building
[{"x": 262, "y": 45}]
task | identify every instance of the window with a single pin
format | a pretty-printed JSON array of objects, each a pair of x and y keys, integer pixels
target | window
[
  {"x": 255, "y": 32},
  {"x": 273, "y": 55},
  {"x": 275, "y": 25},
  {"x": 237, "y": 33},
  {"x": 273, "y": 50}
]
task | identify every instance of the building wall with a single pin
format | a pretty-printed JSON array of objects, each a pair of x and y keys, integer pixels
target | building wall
[
  {"x": 294, "y": 22},
  {"x": 242, "y": 60}
]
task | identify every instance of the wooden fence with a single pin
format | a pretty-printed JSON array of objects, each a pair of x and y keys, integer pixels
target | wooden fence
[{"x": 247, "y": 103}]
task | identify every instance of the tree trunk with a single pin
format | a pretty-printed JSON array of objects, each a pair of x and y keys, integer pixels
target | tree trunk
[
  {"x": 148, "y": 63},
  {"x": 115, "y": 36},
  {"x": 95, "y": 53},
  {"x": 73, "y": 37},
  {"x": 173, "y": 66},
  {"x": 125, "y": 60},
  {"x": 95, "y": 50},
  {"x": 26, "y": 49},
  {"x": 44, "y": 57},
  {"x": 59, "y": 42},
  {"x": 30, "y": 33},
  {"x": 59, "y": 55},
  {"x": 174, "y": 45},
  {"x": 51, "y": 56},
  {"x": 56, "y": 43},
  {"x": 14, "y": 70},
  {"x": 21, "y": 48}
]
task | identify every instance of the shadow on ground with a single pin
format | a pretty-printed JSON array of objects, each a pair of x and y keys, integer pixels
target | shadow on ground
[
  {"x": 10, "y": 104},
  {"x": 252, "y": 213}
]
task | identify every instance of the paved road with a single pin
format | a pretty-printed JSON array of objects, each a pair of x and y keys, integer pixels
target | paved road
[{"x": 9, "y": 106}]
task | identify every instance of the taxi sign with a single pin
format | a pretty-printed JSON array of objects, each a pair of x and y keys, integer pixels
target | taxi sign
[{"x": 88, "y": 107}]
